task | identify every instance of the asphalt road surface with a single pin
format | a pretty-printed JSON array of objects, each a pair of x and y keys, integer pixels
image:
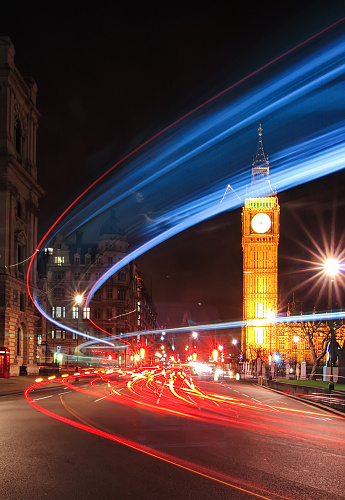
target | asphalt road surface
[{"x": 160, "y": 434}]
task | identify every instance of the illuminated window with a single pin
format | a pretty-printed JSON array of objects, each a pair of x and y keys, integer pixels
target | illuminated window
[
  {"x": 86, "y": 313},
  {"x": 59, "y": 312},
  {"x": 59, "y": 260},
  {"x": 58, "y": 334},
  {"x": 75, "y": 312}
]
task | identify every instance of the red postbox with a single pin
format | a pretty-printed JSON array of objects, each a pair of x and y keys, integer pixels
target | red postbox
[{"x": 4, "y": 362}]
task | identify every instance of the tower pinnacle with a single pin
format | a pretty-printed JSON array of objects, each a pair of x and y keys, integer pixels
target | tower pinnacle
[{"x": 260, "y": 163}]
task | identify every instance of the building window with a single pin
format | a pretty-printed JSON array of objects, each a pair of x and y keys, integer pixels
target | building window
[
  {"x": 87, "y": 276},
  {"x": 110, "y": 261},
  {"x": 109, "y": 292},
  {"x": 20, "y": 258},
  {"x": 98, "y": 294},
  {"x": 109, "y": 313},
  {"x": 19, "y": 210},
  {"x": 22, "y": 302},
  {"x": 98, "y": 261},
  {"x": 58, "y": 334},
  {"x": 59, "y": 312},
  {"x": 75, "y": 312},
  {"x": 86, "y": 313},
  {"x": 77, "y": 260},
  {"x": 59, "y": 293},
  {"x": 87, "y": 260},
  {"x": 18, "y": 342},
  {"x": 121, "y": 293},
  {"x": 59, "y": 275},
  {"x": 97, "y": 313},
  {"x": 59, "y": 260},
  {"x": 76, "y": 276},
  {"x": 18, "y": 137},
  {"x": 39, "y": 339}
]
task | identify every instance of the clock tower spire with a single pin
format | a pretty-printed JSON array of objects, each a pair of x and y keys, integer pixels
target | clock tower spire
[{"x": 260, "y": 238}]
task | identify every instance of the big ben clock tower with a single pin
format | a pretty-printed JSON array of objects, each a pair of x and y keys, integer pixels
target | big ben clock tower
[{"x": 260, "y": 238}]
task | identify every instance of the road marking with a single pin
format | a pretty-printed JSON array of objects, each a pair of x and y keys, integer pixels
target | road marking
[
  {"x": 64, "y": 393},
  {"x": 100, "y": 399},
  {"x": 45, "y": 397}
]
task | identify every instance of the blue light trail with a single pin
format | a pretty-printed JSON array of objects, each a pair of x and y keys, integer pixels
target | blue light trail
[{"x": 178, "y": 180}]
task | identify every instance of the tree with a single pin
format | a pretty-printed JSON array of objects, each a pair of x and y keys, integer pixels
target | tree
[{"x": 309, "y": 330}]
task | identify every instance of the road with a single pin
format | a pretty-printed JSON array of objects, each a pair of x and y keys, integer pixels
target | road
[{"x": 159, "y": 434}]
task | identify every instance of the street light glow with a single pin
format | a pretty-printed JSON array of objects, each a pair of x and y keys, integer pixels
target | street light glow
[
  {"x": 331, "y": 267},
  {"x": 78, "y": 299}
]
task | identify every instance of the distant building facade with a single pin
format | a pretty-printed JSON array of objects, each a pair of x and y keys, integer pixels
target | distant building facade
[
  {"x": 121, "y": 306},
  {"x": 19, "y": 197}
]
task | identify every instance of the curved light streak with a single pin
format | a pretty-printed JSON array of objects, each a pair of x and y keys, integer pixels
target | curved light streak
[{"x": 311, "y": 158}]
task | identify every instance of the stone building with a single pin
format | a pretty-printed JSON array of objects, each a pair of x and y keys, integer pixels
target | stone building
[
  {"x": 19, "y": 196},
  {"x": 122, "y": 305}
]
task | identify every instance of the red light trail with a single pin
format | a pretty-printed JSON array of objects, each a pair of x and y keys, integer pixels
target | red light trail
[
  {"x": 93, "y": 184},
  {"x": 173, "y": 392}
]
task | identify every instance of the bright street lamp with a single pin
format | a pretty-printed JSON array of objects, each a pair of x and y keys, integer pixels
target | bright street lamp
[{"x": 331, "y": 268}]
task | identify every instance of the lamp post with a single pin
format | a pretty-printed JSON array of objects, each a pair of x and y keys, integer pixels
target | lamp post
[
  {"x": 331, "y": 269},
  {"x": 78, "y": 301},
  {"x": 271, "y": 318}
]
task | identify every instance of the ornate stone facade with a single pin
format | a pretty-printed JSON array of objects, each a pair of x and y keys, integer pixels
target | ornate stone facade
[{"x": 19, "y": 196}]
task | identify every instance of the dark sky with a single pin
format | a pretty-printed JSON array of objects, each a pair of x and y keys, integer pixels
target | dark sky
[{"x": 112, "y": 75}]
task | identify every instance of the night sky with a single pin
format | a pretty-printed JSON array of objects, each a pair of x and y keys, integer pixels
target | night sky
[{"x": 112, "y": 76}]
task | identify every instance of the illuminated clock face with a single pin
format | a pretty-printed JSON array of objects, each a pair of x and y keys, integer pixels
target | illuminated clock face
[{"x": 261, "y": 223}]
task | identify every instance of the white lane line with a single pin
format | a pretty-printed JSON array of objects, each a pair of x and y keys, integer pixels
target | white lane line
[
  {"x": 64, "y": 393},
  {"x": 275, "y": 409},
  {"x": 100, "y": 399},
  {"x": 45, "y": 397}
]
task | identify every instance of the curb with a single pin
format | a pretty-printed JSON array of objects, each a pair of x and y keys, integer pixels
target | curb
[{"x": 307, "y": 401}]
